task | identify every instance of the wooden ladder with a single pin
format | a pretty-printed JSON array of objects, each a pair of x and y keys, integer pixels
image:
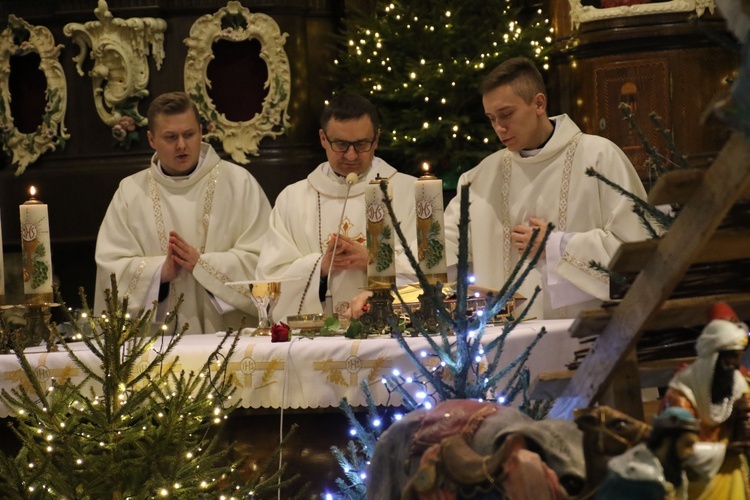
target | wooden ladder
[{"x": 706, "y": 196}]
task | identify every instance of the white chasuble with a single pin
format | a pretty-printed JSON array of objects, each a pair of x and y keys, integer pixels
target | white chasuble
[
  {"x": 508, "y": 188},
  {"x": 304, "y": 220},
  {"x": 219, "y": 209}
]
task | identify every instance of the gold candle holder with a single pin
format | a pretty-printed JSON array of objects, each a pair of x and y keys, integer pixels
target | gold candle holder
[
  {"x": 35, "y": 330},
  {"x": 378, "y": 319}
]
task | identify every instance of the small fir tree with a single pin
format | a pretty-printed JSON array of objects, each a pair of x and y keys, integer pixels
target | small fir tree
[
  {"x": 465, "y": 368},
  {"x": 128, "y": 433}
]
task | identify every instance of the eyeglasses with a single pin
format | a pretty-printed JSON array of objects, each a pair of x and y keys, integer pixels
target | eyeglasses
[{"x": 343, "y": 146}]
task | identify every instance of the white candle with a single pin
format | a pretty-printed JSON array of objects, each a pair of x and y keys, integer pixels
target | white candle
[
  {"x": 36, "y": 251},
  {"x": 428, "y": 192},
  {"x": 2, "y": 267},
  {"x": 381, "y": 262}
]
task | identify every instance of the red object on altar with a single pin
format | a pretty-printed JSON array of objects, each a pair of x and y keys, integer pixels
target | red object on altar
[{"x": 280, "y": 332}]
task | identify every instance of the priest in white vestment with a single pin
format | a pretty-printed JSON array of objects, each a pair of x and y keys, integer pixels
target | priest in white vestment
[
  {"x": 540, "y": 178},
  {"x": 304, "y": 221},
  {"x": 188, "y": 225}
]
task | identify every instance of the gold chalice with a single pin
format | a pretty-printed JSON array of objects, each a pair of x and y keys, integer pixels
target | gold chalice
[{"x": 265, "y": 295}]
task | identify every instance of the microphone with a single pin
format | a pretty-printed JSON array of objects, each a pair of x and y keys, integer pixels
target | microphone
[{"x": 351, "y": 179}]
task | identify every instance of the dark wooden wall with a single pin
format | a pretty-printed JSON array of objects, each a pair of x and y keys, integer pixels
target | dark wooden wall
[
  {"x": 676, "y": 64},
  {"x": 78, "y": 183}
]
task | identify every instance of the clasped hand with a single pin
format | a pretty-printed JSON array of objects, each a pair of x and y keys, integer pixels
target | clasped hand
[
  {"x": 349, "y": 255},
  {"x": 180, "y": 255},
  {"x": 521, "y": 236}
]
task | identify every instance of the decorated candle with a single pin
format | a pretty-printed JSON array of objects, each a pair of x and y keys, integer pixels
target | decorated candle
[
  {"x": 381, "y": 262},
  {"x": 2, "y": 267},
  {"x": 35, "y": 251},
  {"x": 428, "y": 192}
]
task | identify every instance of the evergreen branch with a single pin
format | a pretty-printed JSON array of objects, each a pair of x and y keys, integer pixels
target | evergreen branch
[
  {"x": 496, "y": 345},
  {"x": 444, "y": 391},
  {"x": 516, "y": 363},
  {"x": 666, "y": 134},
  {"x": 417, "y": 322},
  {"x": 521, "y": 360},
  {"x": 613, "y": 276},
  {"x": 645, "y": 222},
  {"x": 660, "y": 217},
  {"x": 650, "y": 150}
]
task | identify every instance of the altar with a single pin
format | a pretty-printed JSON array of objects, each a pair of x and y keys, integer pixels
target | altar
[
  {"x": 300, "y": 383},
  {"x": 306, "y": 373}
]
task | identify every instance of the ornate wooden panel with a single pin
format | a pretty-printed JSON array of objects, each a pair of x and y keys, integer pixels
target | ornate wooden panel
[{"x": 643, "y": 84}]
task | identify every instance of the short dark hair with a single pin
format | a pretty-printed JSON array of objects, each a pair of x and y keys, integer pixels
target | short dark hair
[
  {"x": 519, "y": 72},
  {"x": 171, "y": 103},
  {"x": 344, "y": 107}
]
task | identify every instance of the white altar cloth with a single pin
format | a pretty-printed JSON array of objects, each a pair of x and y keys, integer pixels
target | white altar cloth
[{"x": 307, "y": 373}]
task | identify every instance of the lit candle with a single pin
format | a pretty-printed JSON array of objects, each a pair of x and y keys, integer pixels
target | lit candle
[
  {"x": 428, "y": 191},
  {"x": 2, "y": 267},
  {"x": 35, "y": 251},
  {"x": 381, "y": 262}
]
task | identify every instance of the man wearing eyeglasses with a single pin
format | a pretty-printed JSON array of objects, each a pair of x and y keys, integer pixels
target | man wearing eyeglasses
[{"x": 304, "y": 223}]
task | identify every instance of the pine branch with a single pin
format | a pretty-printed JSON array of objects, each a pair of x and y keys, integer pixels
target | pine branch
[
  {"x": 613, "y": 276},
  {"x": 650, "y": 150},
  {"x": 660, "y": 217},
  {"x": 666, "y": 134}
]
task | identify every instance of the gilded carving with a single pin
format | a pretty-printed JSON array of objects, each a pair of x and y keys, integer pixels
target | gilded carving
[
  {"x": 586, "y": 13},
  {"x": 119, "y": 49},
  {"x": 235, "y": 23},
  {"x": 19, "y": 39}
]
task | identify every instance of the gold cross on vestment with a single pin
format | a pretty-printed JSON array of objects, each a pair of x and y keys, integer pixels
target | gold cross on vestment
[{"x": 346, "y": 226}]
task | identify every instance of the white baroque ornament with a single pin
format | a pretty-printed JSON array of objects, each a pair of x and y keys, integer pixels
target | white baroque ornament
[
  {"x": 586, "y": 13},
  {"x": 19, "y": 39},
  {"x": 239, "y": 139},
  {"x": 119, "y": 49}
]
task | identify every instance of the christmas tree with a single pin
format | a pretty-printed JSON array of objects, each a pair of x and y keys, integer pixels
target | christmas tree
[
  {"x": 421, "y": 63},
  {"x": 128, "y": 433},
  {"x": 467, "y": 368}
]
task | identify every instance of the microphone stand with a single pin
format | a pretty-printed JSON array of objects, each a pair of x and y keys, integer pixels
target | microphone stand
[{"x": 350, "y": 180}]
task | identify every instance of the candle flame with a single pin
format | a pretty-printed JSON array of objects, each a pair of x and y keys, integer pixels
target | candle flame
[
  {"x": 426, "y": 167},
  {"x": 32, "y": 191}
]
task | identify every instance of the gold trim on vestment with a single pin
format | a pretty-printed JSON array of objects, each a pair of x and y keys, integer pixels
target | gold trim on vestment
[{"x": 562, "y": 215}]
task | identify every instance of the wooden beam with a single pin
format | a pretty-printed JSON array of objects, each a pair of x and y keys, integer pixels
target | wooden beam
[
  {"x": 727, "y": 178},
  {"x": 730, "y": 244},
  {"x": 675, "y": 313},
  {"x": 624, "y": 391},
  {"x": 677, "y": 186},
  {"x": 657, "y": 373}
]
